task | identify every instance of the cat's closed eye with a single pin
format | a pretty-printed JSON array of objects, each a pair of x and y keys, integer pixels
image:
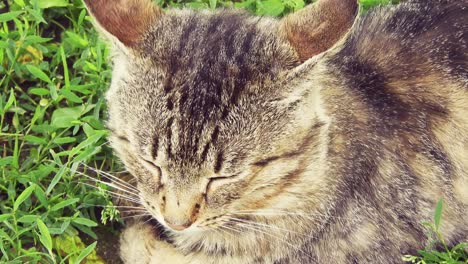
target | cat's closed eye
[
  {"x": 217, "y": 181},
  {"x": 223, "y": 177},
  {"x": 152, "y": 166}
]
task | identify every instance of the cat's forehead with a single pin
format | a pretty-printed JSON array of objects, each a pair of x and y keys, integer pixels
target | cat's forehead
[
  {"x": 189, "y": 131},
  {"x": 224, "y": 42},
  {"x": 203, "y": 63},
  {"x": 203, "y": 84},
  {"x": 190, "y": 25}
]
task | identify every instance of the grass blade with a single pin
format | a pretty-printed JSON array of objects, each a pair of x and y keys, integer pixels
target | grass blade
[
  {"x": 23, "y": 196},
  {"x": 438, "y": 213},
  {"x": 38, "y": 73},
  {"x": 45, "y": 237},
  {"x": 85, "y": 253},
  {"x": 64, "y": 204},
  {"x": 84, "y": 221}
]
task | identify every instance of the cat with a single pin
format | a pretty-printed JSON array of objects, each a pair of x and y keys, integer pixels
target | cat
[{"x": 322, "y": 137}]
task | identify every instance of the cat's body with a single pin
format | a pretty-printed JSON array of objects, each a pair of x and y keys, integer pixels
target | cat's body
[{"x": 334, "y": 157}]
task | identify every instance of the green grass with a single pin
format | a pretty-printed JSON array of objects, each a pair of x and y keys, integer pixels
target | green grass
[
  {"x": 53, "y": 73},
  {"x": 456, "y": 255}
]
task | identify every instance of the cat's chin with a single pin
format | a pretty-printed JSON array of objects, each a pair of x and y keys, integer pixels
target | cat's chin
[
  {"x": 193, "y": 231},
  {"x": 159, "y": 230},
  {"x": 198, "y": 239},
  {"x": 189, "y": 236}
]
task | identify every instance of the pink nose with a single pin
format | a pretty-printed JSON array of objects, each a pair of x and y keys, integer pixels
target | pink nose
[{"x": 177, "y": 226}]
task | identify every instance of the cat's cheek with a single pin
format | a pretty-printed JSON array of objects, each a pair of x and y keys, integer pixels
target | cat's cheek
[
  {"x": 125, "y": 156},
  {"x": 212, "y": 187},
  {"x": 220, "y": 193},
  {"x": 130, "y": 162}
]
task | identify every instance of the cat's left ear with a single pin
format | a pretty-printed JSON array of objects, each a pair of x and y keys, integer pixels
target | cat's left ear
[
  {"x": 125, "y": 20},
  {"x": 319, "y": 26}
]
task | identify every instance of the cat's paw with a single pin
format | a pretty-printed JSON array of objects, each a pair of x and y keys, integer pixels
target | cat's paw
[
  {"x": 137, "y": 243},
  {"x": 140, "y": 244}
]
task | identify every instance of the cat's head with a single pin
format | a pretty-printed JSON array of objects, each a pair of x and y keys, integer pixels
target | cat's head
[{"x": 215, "y": 112}]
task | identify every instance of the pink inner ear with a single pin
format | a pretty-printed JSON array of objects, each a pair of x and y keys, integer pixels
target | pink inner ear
[
  {"x": 127, "y": 20},
  {"x": 319, "y": 26}
]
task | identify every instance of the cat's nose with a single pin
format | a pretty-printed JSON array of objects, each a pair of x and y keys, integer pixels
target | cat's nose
[
  {"x": 180, "y": 209},
  {"x": 178, "y": 227}
]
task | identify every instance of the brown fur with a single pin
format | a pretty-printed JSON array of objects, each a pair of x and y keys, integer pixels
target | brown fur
[
  {"x": 317, "y": 28},
  {"x": 255, "y": 140},
  {"x": 127, "y": 20}
]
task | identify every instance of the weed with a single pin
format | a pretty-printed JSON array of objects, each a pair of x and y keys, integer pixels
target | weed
[
  {"x": 53, "y": 73},
  {"x": 437, "y": 251}
]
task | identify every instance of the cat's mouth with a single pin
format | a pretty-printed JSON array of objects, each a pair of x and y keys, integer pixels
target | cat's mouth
[{"x": 159, "y": 230}]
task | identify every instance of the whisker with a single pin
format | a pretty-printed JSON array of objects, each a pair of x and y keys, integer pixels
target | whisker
[
  {"x": 110, "y": 177},
  {"x": 115, "y": 206},
  {"x": 151, "y": 218},
  {"x": 279, "y": 238},
  {"x": 279, "y": 213},
  {"x": 223, "y": 233},
  {"x": 271, "y": 214},
  {"x": 257, "y": 229},
  {"x": 230, "y": 228},
  {"x": 131, "y": 196},
  {"x": 217, "y": 231},
  {"x": 105, "y": 190},
  {"x": 133, "y": 216},
  {"x": 115, "y": 195},
  {"x": 136, "y": 211},
  {"x": 264, "y": 225},
  {"x": 113, "y": 184},
  {"x": 107, "y": 183}
]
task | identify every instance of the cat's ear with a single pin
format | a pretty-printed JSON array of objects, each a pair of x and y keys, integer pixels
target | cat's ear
[
  {"x": 126, "y": 20},
  {"x": 319, "y": 26}
]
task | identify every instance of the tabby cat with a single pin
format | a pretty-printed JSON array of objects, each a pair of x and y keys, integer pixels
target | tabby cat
[{"x": 321, "y": 137}]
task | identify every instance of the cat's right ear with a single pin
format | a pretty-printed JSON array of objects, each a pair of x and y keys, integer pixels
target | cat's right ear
[
  {"x": 319, "y": 26},
  {"x": 124, "y": 20}
]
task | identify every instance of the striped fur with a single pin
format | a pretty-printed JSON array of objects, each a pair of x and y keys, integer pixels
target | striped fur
[{"x": 343, "y": 154}]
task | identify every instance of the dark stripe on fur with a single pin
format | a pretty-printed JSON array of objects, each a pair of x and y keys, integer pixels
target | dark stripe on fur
[
  {"x": 174, "y": 59},
  {"x": 169, "y": 136},
  {"x": 265, "y": 162},
  {"x": 155, "y": 148},
  {"x": 169, "y": 103},
  {"x": 219, "y": 162},
  {"x": 214, "y": 137}
]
